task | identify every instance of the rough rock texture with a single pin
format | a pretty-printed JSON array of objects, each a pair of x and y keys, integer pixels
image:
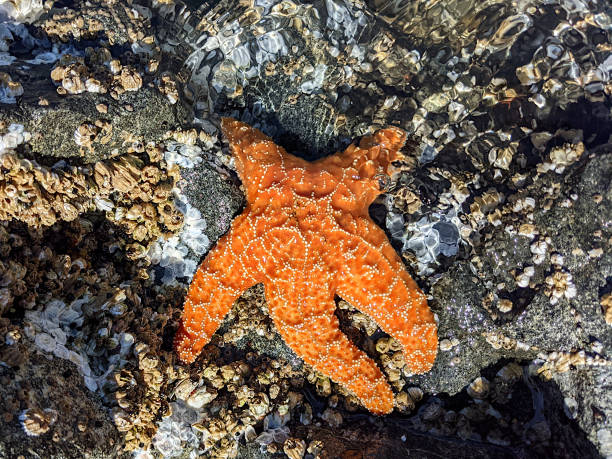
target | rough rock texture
[
  {"x": 508, "y": 105},
  {"x": 587, "y": 399},
  {"x": 143, "y": 114},
  {"x": 215, "y": 194},
  {"x": 459, "y": 293},
  {"x": 83, "y": 426}
]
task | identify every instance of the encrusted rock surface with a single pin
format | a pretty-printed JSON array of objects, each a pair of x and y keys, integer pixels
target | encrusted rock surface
[
  {"x": 535, "y": 325},
  {"x": 220, "y": 201},
  {"x": 501, "y": 211},
  {"x": 146, "y": 114},
  {"x": 81, "y": 426}
]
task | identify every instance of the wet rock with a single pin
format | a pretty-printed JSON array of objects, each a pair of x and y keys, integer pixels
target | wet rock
[
  {"x": 81, "y": 426},
  {"x": 586, "y": 398},
  {"x": 501, "y": 210},
  {"x": 537, "y": 326},
  {"x": 145, "y": 113},
  {"x": 216, "y": 196}
]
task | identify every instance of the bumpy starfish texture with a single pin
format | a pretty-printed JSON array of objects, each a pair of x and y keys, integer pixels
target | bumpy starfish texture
[{"x": 306, "y": 235}]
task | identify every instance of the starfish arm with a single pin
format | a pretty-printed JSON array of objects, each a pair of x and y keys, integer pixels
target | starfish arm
[
  {"x": 260, "y": 163},
  {"x": 374, "y": 236},
  {"x": 301, "y": 303},
  {"x": 217, "y": 283},
  {"x": 310, "y": 328},
  {"x": 373, "y": 279},
  {"x": 373, "y": 155}
]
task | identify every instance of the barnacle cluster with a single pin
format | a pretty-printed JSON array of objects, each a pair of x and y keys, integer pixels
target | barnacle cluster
[
  {"x": 149, "y": 201},
  {"x": 358, "y": 319},
  {"x": 561, "y": 157},
  {"x": 114, "y": 25},
  {"x": 497, "y": 340},
  {"x": 392, "y": 358},
  {"x": 224, "y": 401},
  {"x": 98, "y": 72},
  {"x": 561, "y": 362},
  {"x": 134, "y": 190},
  {"x": 40, "y": 196},
  {"x": 78, "y": 286},
  {"x": 485, "y": 416},
  {"x": 137, "y": 395},
  {"x": 558, "y": 285},
  {"x": 249, "y": 315}
]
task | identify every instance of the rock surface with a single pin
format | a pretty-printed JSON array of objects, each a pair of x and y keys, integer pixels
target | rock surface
[
  {"x": 54, "y": 385},
  {"x": 502, "y": 210}
]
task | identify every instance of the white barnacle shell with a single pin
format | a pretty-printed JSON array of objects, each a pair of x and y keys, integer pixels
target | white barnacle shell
[
  {"x": 479, "y": 388},
  {"x": 201, "y": 396}
]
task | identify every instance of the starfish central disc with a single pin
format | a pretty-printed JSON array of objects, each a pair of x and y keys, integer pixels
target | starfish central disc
[{"x": 306, "y": 235}]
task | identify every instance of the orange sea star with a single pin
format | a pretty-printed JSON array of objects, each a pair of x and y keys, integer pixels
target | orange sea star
[{"x": 306, "y": 234}]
